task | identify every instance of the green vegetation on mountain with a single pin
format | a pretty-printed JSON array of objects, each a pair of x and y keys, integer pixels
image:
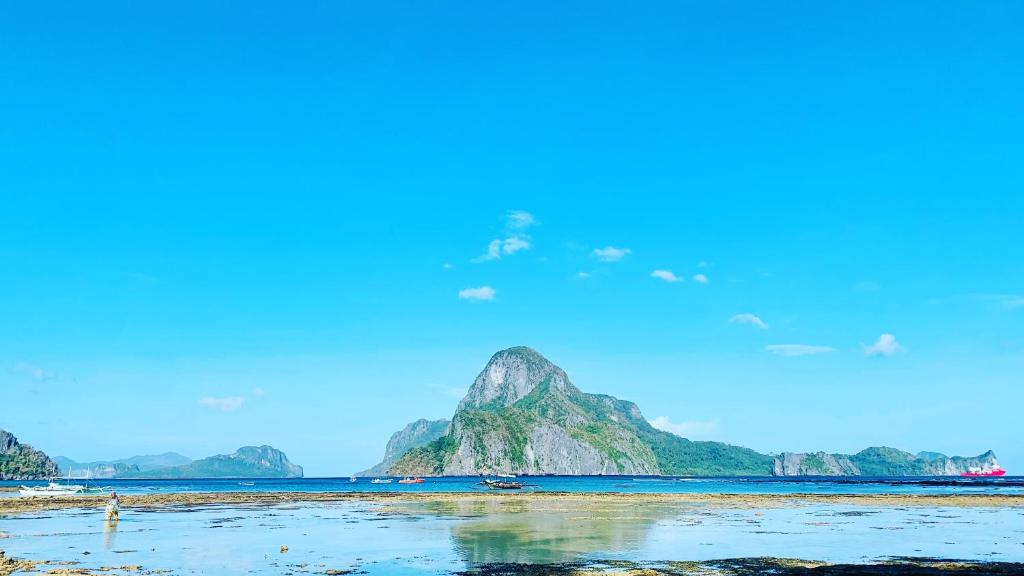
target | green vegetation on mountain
[
  {"x": 246, "y": 462},
  {"x": 523, "y": 416},
  {"x": 414, "y": 435},
  {"x": 22, "y": 462}
]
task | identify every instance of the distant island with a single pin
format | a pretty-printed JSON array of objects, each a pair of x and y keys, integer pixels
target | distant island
[
  {"x": 522, "y": 415},
  {"x": 115, "y": 468},
  {"x": 22, "y": 462}
]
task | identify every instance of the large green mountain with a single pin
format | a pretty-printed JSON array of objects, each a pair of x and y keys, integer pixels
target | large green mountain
[
  {"x": 23, "y": 462},
  {"x": 246, "y": 462},
  {"x": 522, "y": 415}
]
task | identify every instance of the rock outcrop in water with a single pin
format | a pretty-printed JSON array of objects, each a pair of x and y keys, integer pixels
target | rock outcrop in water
[
  {"x": 522, "y": 415},
  {"x": 22, "y": 462},
  {"x": 414, "y": 435},
  {"x": 246, "y": 462},
  {"x": 880, "y": 461}
]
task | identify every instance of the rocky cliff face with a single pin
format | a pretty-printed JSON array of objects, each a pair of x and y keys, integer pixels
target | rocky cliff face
[
  {"x": 22, "y": 462},
  {"x": 813, "y": 464},
  {"x": 414, "y": 435},
  {"x": 522, "y": 415},
  {"x": 879, "y": 461}
]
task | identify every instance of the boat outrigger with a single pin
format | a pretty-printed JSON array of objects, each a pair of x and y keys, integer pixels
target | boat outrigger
[
  {"x": 381, "y": 481},
  {"x": 57, "y": 489},
  {"x": 501, "y": 484}
]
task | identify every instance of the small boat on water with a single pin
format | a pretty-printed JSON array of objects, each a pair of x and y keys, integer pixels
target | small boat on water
[
  {"x": 246, "y": 483},
  {"x": 505, "y": 475},
  {"x": 502, "y": 484},
  {"x": 973, "y": 472},
  {"x": 381, "y": 481},
  {"x": 51, "y": 489},
  {"x": 58, "y": 489},
  {"x": 408, "y": 480}
]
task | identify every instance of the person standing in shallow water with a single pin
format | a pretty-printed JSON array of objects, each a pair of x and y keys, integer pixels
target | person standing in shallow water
[{"x": 113, "y": 508}]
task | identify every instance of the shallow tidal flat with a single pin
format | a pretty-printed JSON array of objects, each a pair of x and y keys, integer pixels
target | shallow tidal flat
[{"x": 518, "y": 533}]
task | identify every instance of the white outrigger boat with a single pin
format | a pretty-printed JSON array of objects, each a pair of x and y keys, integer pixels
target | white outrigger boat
[
  {"x": 58, "y": 489},
  {"x": 381, "y": 481}
]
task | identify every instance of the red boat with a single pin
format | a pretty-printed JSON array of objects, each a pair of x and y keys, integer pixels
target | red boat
[
  {"x": 408, "y": 480},
  {"x": 995, "y": 470}
]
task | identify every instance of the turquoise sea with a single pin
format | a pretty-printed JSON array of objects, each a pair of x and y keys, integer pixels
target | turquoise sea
[
  {"x": 446, "y": 536},
  {"x": 626, "y": 484}
]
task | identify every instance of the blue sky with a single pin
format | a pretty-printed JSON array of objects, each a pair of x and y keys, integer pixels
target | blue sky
[{"x": 240, "y": 223}]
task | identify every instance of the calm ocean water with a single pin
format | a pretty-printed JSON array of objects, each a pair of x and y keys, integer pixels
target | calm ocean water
[{"x": 625, "y": 484}]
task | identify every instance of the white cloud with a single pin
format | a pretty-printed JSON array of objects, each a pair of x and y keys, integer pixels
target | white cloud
[
  {"x": 508, "y": 246},
  {"x": 886, "y": 345},
  {"x": 33, "y": 372},
  {"x": 481, "y": 293},
  {"x": 447, "y": 266},
  {"x": 694, "y": 429},
  {"x": 611, "y": 253},
  {"x": 583, "y": 275},
  {"x": 700, "y": 279},
  {"x": 519, "y": 219},
  {"x": 258, "y": 392},
  {"x": 514, "y": 244},
  {"x": 666, "y": 275},
  {"x": 747, "y": 318},
  {"x": 798, "y": 349},
  {"x": 226, "y": 404}
]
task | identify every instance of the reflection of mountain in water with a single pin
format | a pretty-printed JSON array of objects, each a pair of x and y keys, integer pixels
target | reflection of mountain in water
[{"x": 546, "y": 532}]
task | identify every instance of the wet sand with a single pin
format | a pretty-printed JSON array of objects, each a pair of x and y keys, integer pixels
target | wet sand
[
  {"x": 14, "y": 505},
  {"x": 725, "y": 567}
]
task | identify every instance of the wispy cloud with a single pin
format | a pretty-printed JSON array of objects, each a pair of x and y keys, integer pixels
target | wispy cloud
[
  {"x": 226, "y": 404},
  {"x": 583, "y": 275},
  {"x": 516, "y": 238},
  {"x": 886, "y": 345},
  {"x": 32, "y": 371},
  {"x": 798, "y": 349},
  {"x": 700, "y": 279},
  {"x": 258, "y": 392},
  {"x": 514, "y": 244},
  {"x": 447, "y": 266},
  {"x": 747, "y": 318},
  {"x": 666, "y": 275},
  {"x": 519, "y": 219},
  {"x": 611, "y": 253},
  {"x": 503, "y": 247},
  {"x": 481, "y": 293},
  {"x": 697, "y": 429},
  {"x": 1002, "y": 300}
]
